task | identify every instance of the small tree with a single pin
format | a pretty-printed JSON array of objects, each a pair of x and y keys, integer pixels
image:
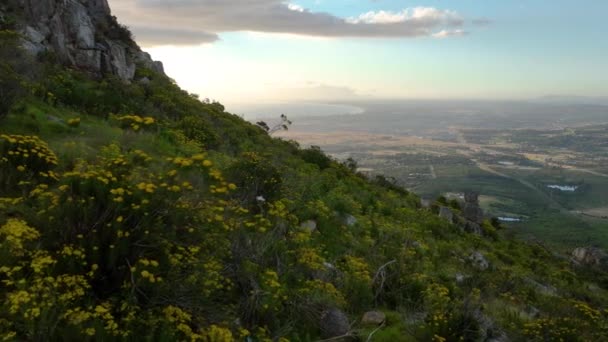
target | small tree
[
  {"x": 13, "y": 67},
  {"x": 283, "y": 125}
]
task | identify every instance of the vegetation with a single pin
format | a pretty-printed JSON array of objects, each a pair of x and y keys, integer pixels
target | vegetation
[{"x": 136, "y": 211}]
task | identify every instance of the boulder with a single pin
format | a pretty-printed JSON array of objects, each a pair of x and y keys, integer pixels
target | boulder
[
  {"x": 473, "y": 227},
  {"x": 547, "y": 290},
  {"x": 373, "y": 318},
  {"x": 473, "y": 213},
  {"x": 488, "y": 330},
  {"x": 460, "y": 278},
  {"x": 350, "y": 220},
  {"x": 471, "y": 210},
  {"x": 334, "y": 323},
  {"x": 310, "y": 225},
  {"x": 590, "y": 256},
  {"x": 479, "y": 261},
  {"x": 532, "y": 311},
  {"x": 446, "y": 214},
  {"x": 471, "y": 197}
]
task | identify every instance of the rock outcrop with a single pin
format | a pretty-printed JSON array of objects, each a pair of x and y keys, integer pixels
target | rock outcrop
[
  {"x": 446, "y": 214},
  {"x": 479, "y": 261},
  {"x": 334, "y": 323},
  {"x": 80, "y": 33},
  {"x": 373, "y": 318},
  {"x": 471, "y": 211},
  {"x": 590, "y": 256}
]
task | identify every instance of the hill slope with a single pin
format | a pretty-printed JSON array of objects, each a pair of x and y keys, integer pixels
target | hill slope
[{"x": 136, "y": 211}]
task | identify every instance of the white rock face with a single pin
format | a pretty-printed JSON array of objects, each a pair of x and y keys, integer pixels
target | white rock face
[
  {"x": 479, "y": 261},
  {"x": 590, "y": 256},
  {"x": 77, "y": 32}
]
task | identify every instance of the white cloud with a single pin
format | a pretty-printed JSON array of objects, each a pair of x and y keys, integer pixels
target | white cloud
[
  {"x": 449, "y": 33},
  {"x": 295, "y": 7},
  {"x": 200, "y": 21},
  {"x": 429, "y": 14}
]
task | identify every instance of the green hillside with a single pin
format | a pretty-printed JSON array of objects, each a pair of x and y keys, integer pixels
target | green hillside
[{"x": 136, "y": 211}]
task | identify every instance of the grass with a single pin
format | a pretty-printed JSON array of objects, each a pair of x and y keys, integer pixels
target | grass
[{"x": 547, "y": 213}]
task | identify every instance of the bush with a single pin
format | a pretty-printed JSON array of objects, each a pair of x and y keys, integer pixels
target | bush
[
  {"x": 315, "y": 156},
  {"x": 13, "y": 66}
]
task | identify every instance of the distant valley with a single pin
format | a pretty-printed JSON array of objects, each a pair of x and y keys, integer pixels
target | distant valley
[{"x": 542, "y": 166}]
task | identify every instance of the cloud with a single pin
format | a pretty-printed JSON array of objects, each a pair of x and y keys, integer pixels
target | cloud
[
  {"x": 428, "y": 15},
  {"x": 160, "y": 36},
  {"x": 157, "y": 22},
  {"x": 449, "y": 33}
]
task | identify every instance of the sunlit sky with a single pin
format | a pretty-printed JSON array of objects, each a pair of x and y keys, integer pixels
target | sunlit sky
[{"x": 254, "y": 51}]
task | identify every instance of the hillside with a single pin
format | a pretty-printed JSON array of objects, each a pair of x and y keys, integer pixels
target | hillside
[{"x": 132, "y": 210}]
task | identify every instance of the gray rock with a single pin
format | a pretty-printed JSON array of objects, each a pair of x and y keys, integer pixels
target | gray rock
[
  {"x": 446, "y": 214},
  {"x": 74, "y": 31},
  {"x": 471, "y": 210},
  {"x": 590, "y": 256},
  {"x": 144, "y": 81},
  {"x": 473, "y": 227},
  {"x": 479, "y": 261},
  {"x": 334, "y": 323},
  {"x": 532, "y": 311},
  {"x": 373, "y": 318},
  {"x": 547, "y": 290},
  {"x": 329, "y": 265},
  {"x": 122, "y": 65},
  {"x": 460, "y": 278},
  {"x": 34, "y": 40},
  {"x": 471, "y": 197},
  {"x": 350, "y": 220},
  {"x": 488, "y": 330},
  {"x": 310, "y": 225}
]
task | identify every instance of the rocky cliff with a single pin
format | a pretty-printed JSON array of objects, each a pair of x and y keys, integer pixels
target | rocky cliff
[{"x": 80, "y": 33}]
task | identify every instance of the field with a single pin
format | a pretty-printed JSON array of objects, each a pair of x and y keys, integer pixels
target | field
[{"x": 512, "y": 168}]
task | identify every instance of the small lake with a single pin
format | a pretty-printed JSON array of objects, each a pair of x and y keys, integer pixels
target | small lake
[
  {"x": 509, "y": 219},
  {"x": 566, "y": 188}
]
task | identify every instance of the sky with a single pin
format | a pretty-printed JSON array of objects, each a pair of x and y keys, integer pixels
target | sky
[{"x": 242, "y": 52}]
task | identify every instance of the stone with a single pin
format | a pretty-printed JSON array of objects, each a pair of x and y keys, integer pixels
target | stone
[
  {"x": 547, "y": 290},
  {"x": 532, "y": 311},
  {"x": 471, "y": 210},
  {"x": 488, "y": 330},
  {"x": 373, "y": 318},
  {"x": 473, "y": 227},
  {"x": 471, "y": 197},
  {"x": 473, "y": 213},
  {"x": 590, "y": 256},
  {"x": 334, "y": 323},
  {"x": 460, "y": 278},
  {"x": 310, "y": 225},
  {"x": 144, "y": 81},
  {"x": 34, "y": 40},
  {"x": 446, "y": 214},
  {"x": 74, "y": 30},
  {"x": 350, "y": 220},
  {"x": 479, "y": 261}
]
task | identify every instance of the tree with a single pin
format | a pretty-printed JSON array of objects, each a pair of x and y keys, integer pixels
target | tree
[
  {"x": 283, "y": 125},
  {"x": 13, "y": 67}
]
